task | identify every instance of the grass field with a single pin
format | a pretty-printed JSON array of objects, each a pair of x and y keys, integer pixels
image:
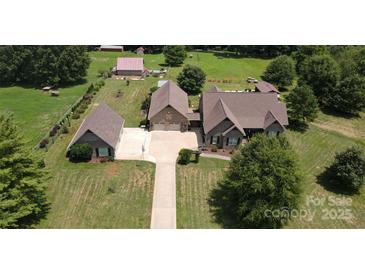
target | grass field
[
  {"x": 193, "y": 183},
  {"x": 86, "y": 195},
  {"x": 349, "y": 126},
  {"x": 80, "y": 193},
  {"x": 36, "y": 112},
  {"x": 315, "y": 148}
]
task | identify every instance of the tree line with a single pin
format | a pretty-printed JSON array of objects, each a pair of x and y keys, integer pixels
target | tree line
[
  {"x": 328, "y": 77},
  {"x": 248, "y": 50},
  {"x": 43, "y": 65}
]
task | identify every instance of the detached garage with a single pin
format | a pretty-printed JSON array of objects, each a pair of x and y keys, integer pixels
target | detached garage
[
  {"x": 129, "y": 66},
  {"x": 101, "y": 130},
  {"x": 169, "y": 108}
]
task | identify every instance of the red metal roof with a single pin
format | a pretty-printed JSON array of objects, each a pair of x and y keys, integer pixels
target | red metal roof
[{"x": 130, "y": 63}]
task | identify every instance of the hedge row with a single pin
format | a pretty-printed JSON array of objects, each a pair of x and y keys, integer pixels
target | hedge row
[{"x": 73, "y": 112}]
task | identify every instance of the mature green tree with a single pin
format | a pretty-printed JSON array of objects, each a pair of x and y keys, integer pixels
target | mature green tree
[
  {"x": 347, "y": 171},
  {"x": 263, "y": 176},
  {"x": 360, "y": 61},
  {"x": 302, "y": 53},
  {"x": 259, "y": 50},
  {"x": 281, "y": 71},
  {"x": 349, "y": 96},
  {"x": 191, "y": 79},
  {"x": 174, "y": 55},
  {"x": 72, "y": 64},
  {"x": 321, "y": 73},
  {"x": 44, "y": 69},
  {"x": 345, "y": 57},
  {"x": 43, "y": 65},
  {"x": 23, "y": 201},
  {"x": 302, "y": 104}
]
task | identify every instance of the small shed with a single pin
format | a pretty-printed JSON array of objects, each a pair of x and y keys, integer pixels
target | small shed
[
  {"x": 130, "y": 66},
  {"x": 140, "y": 50},
  {"x": 111, "y": 48}
]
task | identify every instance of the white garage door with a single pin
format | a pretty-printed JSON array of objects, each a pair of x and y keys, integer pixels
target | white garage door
[
  {"x": 172, "y": 127},
  {"x": 158, "y": 127},
  {"x": 166, "y": 126}
]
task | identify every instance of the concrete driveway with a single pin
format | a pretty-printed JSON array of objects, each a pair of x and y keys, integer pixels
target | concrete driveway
[
  {"x": 164, "y": 148},
  {"x": 132, "y": 143}
]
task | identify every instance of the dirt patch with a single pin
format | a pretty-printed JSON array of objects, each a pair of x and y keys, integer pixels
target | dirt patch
[
  {"x": 112, "y": 169},
  {"x": 347, "y": 131}
]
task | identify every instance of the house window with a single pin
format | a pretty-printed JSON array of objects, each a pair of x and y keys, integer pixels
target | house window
[
  {"x": 232, "y": 141},
  {"x": 103, "y": 151},
  {"x": 214, "y": 140},
  {"x": 272, "y": 133}
]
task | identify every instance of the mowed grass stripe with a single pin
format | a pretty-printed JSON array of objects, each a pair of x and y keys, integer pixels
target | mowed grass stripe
[
  {"x": 194, "y": 183},
  {"x": 316, "y": 149},
  {"x": 81, "y": 199}
]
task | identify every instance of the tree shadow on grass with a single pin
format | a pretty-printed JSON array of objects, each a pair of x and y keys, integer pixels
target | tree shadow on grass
[
  {"x": 36, "y": 86},
  {"x": 233, "y": 55},
  {"x": 339, "y": 114},
  {"x": 164, "y": 65},
  {"x": 324, "y": 179},
  {"x": 298, "y": 126}
]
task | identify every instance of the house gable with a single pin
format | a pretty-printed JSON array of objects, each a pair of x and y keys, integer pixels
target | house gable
[
  {"x": 169, "y": 114},
  {"x": 168, "y": 95},
  {"x": 92, "y": 139}
]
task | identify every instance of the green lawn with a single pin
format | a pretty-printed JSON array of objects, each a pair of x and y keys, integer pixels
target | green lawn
[
  {"x": 315, "y": 148},
  {"x": 91, "y": 195},
  {"x": 79, "y": 192},
  {"x": 128, "y": 105},
  {"x": 353, "y": 126},
  {"x": 36, "y": 111},
  {"x": 193, "y": 183}
]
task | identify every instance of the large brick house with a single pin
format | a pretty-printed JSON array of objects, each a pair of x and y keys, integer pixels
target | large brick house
[
  {"x": 226, "y": 118},
  {"x": 230, "y": 117}
]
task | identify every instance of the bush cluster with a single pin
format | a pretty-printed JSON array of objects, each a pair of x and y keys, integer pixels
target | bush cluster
[
  {"x": 184, "y": 156},
  {"x": 347, "y": 172},
  {"x": 43, "y": 143},
  {"x": 80, "y": 153}
]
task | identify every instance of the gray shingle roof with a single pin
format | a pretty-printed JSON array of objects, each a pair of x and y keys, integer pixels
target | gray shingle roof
[
  {"x": 169, "y": 95},
  {"x": 103, "y": 122},
  {"x": 214, "y": 89},
  {"x": 248, "y": 110},
  {"x": 263, "y": 86},
  {"x": 219, "y": 113},
  {"x": 270, "y": 119}
]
